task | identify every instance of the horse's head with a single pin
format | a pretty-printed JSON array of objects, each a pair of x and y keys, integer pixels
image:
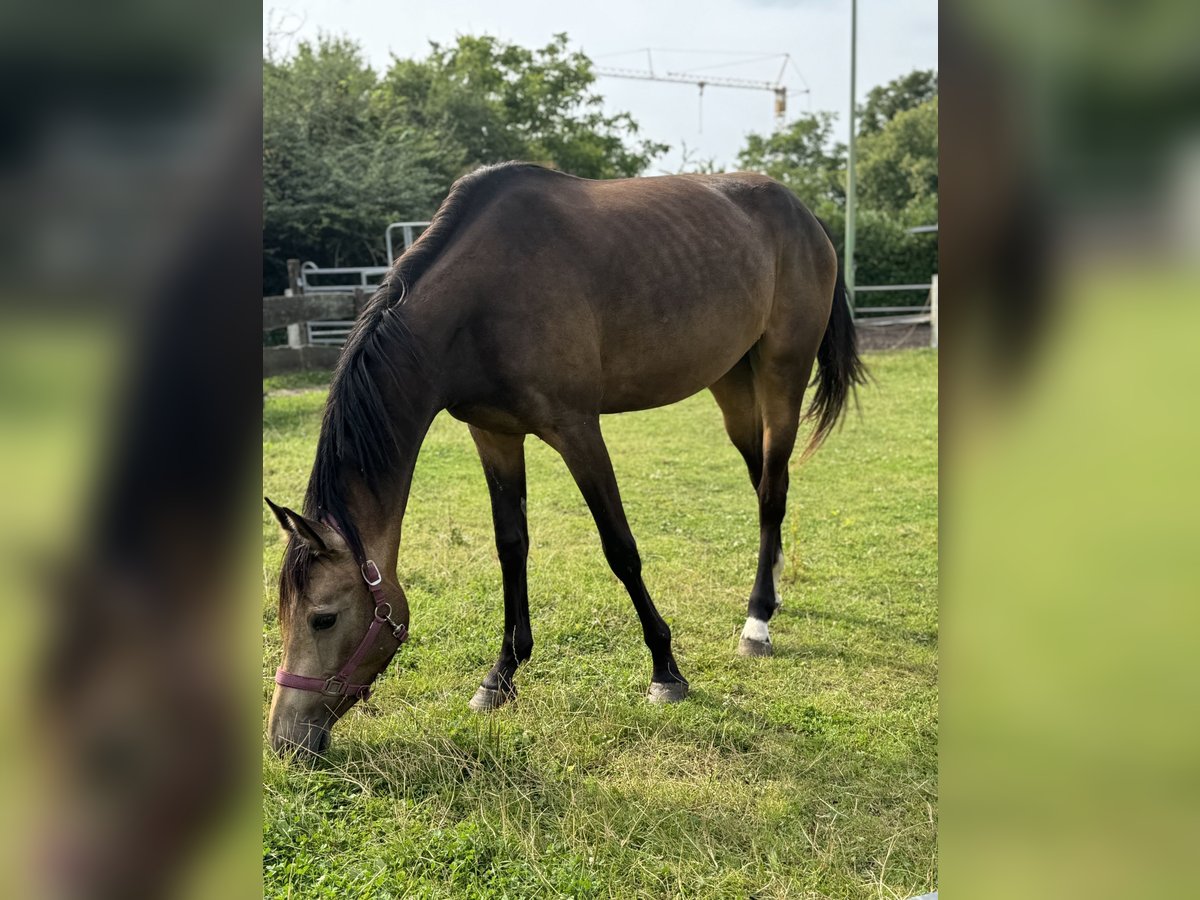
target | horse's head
[{"x": 341, "y": 623}]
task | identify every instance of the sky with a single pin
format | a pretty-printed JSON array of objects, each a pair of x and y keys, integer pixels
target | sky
[{"x": 719, "y": 37}]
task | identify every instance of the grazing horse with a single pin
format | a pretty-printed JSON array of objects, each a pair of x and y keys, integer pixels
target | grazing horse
[{"x": 534, "y": 303}]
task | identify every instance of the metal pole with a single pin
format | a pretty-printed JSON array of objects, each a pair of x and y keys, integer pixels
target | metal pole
[{"x": 850, "y": 204}]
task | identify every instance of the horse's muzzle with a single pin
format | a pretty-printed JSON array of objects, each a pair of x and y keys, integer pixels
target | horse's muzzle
[{"x": 301, "y": 738}]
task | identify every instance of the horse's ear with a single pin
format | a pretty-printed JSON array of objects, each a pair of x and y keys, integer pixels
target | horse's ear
[
  {"x": 319, "y": 538},
  {"x": 282, "y": 514}
]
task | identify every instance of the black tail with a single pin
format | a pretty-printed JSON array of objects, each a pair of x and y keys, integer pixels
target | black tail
[{"x": 840, "y": 368}]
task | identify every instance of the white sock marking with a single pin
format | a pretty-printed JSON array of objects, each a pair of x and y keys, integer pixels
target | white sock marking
[{"x": 756, "y": 630}]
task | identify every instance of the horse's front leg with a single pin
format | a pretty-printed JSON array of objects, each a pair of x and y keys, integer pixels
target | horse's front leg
[
  {"x": 582, "y": 448},
  {"x": 503, "y": 458}
]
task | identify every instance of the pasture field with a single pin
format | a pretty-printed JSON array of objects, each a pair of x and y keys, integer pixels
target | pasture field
[{"x": 809, "y": 774}]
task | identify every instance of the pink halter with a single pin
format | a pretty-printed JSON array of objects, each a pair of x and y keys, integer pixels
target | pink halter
[{"x": 339, "y": 685}]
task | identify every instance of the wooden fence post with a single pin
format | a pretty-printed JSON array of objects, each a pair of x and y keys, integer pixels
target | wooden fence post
[
  {"x": 297, "y": 331},
  {"x": 294, "y": 283}
]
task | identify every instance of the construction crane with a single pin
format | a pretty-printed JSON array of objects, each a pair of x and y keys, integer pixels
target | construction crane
[{"x": 776, "y": 87}]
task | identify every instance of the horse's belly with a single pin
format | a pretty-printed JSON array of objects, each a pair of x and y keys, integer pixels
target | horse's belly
[{"x": 666, "y": 363}]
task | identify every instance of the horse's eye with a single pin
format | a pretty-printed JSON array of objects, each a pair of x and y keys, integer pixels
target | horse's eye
[{"x": 321, "y": 622}]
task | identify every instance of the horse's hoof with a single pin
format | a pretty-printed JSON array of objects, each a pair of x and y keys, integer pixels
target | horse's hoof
[
  {"x": 667, "y": 691},
  {"x": 749, "y": 647},
  {"x": 487, "y": 699}
]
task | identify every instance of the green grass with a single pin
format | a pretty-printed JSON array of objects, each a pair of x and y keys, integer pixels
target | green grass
[{"x": 809, "y": 774}]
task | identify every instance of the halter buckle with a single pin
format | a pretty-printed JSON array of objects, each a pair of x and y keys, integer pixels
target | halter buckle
[
  {"x": 378, "y": 578},
  {"x": 334, "y": 687}
]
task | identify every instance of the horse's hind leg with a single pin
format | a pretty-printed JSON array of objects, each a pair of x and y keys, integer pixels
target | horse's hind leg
[
  {"x": 734, "y": 394},
  {"x": 503, "y": 458},
  {"x": 779, "y": 382},
  {"x": 582, "y": 448}
]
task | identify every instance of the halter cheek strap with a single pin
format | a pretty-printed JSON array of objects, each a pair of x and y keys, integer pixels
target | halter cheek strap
[{"x": 339, "y": 684}]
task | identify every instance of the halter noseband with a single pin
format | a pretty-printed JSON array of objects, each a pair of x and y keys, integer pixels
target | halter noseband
[{"x": 339, "y": 685}]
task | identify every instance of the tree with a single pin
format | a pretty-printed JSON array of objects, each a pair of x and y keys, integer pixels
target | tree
[
  {"x": 331, "y": 182},
  {"x": 491, "y": 101},
  {"x": 804, "y": 158},
  {"x": 346, "y": 151},
  {"x": 898, "y": 165},
  {"x": 887, "y": 101}
]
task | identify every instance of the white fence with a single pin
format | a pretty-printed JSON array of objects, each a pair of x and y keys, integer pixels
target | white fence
[
  {"x": 330, "y": 333},
  {"x": 308, "y": 278},
  {"x": 881, "y": 316},
  {"x": 339, "y": 280}
]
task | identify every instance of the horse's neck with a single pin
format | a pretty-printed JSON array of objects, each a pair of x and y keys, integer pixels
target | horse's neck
[
  {"x": 378, "y": 510},
  {"x": 379, "y": 513}
]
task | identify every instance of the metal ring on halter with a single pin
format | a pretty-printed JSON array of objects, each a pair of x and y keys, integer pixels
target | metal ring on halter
[{"x": 384, "y": 616}]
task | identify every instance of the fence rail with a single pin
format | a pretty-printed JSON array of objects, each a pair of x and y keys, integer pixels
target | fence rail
[
  {"x": 281, "y": 311},
  {"x": 348, "y": 278},
  {"x": 882, "y": 316},
  {"x": 863, "y": 310},
  {"x": 329, "y": 333},
  {"x": 880, "y": 321},
  {"x": 892, "y": 287},
  {"x": 278, "y": 360}
]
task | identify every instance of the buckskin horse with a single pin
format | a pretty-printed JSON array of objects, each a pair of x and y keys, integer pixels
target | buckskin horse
[{"x": 534, "y": 303}]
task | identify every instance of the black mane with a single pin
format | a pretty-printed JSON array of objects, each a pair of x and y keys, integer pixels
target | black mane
[{"x": 366, "y": 426}]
